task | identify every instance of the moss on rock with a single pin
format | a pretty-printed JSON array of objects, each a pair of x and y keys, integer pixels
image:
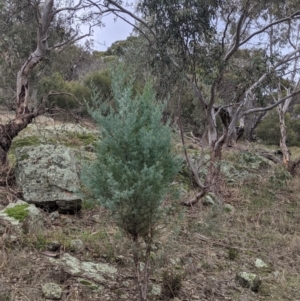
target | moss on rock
[{"x": 18, "y": 212}]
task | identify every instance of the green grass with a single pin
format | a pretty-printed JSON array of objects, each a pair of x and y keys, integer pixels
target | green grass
[{"x": 18, "y": 212}]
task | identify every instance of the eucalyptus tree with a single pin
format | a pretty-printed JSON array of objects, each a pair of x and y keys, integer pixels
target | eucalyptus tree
[
  {"x": 289, "y": 34},
  {"x": 32, "y": 29},
  {"x": 203, "y": 40}
]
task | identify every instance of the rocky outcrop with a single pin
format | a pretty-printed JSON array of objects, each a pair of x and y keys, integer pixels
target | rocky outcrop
[{"x": 48, "y": 177}]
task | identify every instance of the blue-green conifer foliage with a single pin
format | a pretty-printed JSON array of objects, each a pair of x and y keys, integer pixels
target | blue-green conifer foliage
[{"x": 135, "y": 163}]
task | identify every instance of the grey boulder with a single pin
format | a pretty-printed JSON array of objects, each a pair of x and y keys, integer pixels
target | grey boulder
[{"x": 48, "y": 176}]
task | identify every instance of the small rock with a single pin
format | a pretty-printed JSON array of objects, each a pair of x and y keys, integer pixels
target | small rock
[
  {"x": 260, "y": 264},
  {"x": 208, "y": 201},
  {"x": 126, "y": 283},
  {"x": 156, "y": 290},
  {"x": 142, "y": 266},
  {"x": 175, "y": 261},
  {"x": 51, "y": 291},
  {"x": 67, "y": 221},
  {"x": 229, "y": 208},
  {"x": 120, "y": 260},
  {"x": 249, "y": 280},
  {"x": 54, "y": 215},
  {"x": 53, "y": 246},
  {"x": 96, "y": 218},
  {"x": 76, "y": 245}
]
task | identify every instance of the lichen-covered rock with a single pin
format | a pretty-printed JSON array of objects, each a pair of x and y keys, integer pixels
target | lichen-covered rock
[
  {"x": 249, "y": 280},
  {"x": 209, "y": 201},
  {"x": 229, "y": 208},
  {"x": 48, "y": 176},
  {"x": 260, "y": 264},
  {"x": 51, "y": 291},
  {"x": 98, "y": 272},
  {"x": 155, "y": 290},
  {"x": 76, "y": 245},
  {"x": 22, "y": 217}
]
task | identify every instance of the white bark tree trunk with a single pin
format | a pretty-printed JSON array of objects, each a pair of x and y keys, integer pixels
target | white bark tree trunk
[{"x": 282, "y": 109}]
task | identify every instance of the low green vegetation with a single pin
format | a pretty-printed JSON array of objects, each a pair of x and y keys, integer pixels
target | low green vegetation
[
  {"x": 25, "y": 141},
  {"x": 18, "y": 212}
]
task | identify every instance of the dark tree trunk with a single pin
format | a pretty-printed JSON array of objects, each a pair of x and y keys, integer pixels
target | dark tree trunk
[{"x": 11, "y": 130}]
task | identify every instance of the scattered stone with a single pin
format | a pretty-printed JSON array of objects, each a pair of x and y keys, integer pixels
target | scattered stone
[
  {"x": 260, "y": 264},
  {"x": 53, "y": 246},
  {"x": 51, "y": 291},
  {"x": 208, "y": 201},
  {"x": 229, "y": 208},
  {"x": 120, "y": 260},
  {"x": 96, "y": 218},
  {"x": 76, "y": 245},
  {"x": 54, "y": 215},
  {"x": 126, "y": 283},
  {"x": 175, "y": 261},
  {"x": 98, "y": 272},
  {"x": 155, "y": 290},
  {"x": 48, "y": 177},
  {"x": 249, "y": 280},
  {"x": 124, "y": 297},
  {"x": 67, "y": 221}
]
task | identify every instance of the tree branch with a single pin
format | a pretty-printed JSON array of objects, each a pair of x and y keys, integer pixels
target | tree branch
[
  {"x": 296, "y": 14},
  {"x": 255, "y": 110}
]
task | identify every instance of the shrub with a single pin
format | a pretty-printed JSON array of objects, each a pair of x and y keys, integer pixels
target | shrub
[
  {"x": 268, "y": 131},
  {"x": 134, "y": 167},
  {"x": 56, "y": 83},
  {"x": 101, "y": 80}
]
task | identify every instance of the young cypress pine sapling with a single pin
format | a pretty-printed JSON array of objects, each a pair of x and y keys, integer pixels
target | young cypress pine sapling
[{"x": 133, "y": 169}]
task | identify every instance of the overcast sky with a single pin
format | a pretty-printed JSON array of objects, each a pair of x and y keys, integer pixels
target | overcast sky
[{"x": 113, "y": 31}]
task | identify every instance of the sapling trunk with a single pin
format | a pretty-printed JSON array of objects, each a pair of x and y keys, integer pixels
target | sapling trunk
[{"x": 142, "y": 267}]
